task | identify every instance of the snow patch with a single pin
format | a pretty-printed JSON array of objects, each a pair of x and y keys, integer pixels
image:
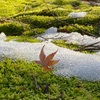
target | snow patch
[
  {"x": 73, "y": 37},
  {"x": 77, "y": 14},
  {"x": 2, "y": 36},
  {"x": 72, "y": 63}
]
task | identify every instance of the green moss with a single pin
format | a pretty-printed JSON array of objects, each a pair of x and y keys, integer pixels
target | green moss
[
  {"x": 60, "y": 2},
  {"x": 11, "y": 7},
  {"x": 33, "y": 32},
  {"x": 64, "y": 44},
  {"x": 11, "y": 28},
  {"x": 95, "y": 10},
  {"x": 71, "y": 46},
  {"x": 17, "y": 83},
  {"x": 55, "y": 12},
  {"x": 38, "y": 17},
  {"x": 75, "y": 3},
  {"x": 87, "y": 20},
  {"x": 22, "y": 39},
  {"x": 89, "y": 28},
  {"x": 38, "y": 21}
]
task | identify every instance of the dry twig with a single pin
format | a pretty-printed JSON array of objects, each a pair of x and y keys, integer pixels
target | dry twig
[{"x": 93, "y": 46}]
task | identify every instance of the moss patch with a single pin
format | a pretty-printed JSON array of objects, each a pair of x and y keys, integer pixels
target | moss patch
[{"x": 17, "y": 82}]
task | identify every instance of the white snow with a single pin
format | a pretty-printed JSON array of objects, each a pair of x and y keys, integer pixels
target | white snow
[
  {"x": 2, "y": 36},
  {"x": 73, "y": 37},
  {"x": 77, "y": 14},
  {"x": 84, "y": 66}
]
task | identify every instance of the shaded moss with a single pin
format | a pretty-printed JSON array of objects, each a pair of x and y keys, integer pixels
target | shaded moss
[{"x": 12, "y": 28}]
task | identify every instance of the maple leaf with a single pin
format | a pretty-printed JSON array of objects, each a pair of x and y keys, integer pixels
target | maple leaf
[{"x": 47, "y": 61}]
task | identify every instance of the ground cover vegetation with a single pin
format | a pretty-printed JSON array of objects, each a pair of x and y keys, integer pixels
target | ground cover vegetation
[
  {"x": 23, "y": 20},
  {"x": 31, "y": 18},
  {"x": 22, "y": 80}
]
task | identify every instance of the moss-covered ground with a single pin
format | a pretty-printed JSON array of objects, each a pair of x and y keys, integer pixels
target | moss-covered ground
[
  {"x": 18, "y": 81},
  {"x": 21, "y": 20},
  {"x": 31, "y": 17}
]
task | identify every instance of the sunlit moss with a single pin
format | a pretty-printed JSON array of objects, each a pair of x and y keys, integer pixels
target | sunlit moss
[
  {"x": 22, "y": 39},
  {"x": 72, "y": 46},
  {"x": 17, "y": 83}
]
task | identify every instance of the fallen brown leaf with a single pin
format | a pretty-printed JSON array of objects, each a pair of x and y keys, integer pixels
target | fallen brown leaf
[{"x": 48, "y": 61}]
